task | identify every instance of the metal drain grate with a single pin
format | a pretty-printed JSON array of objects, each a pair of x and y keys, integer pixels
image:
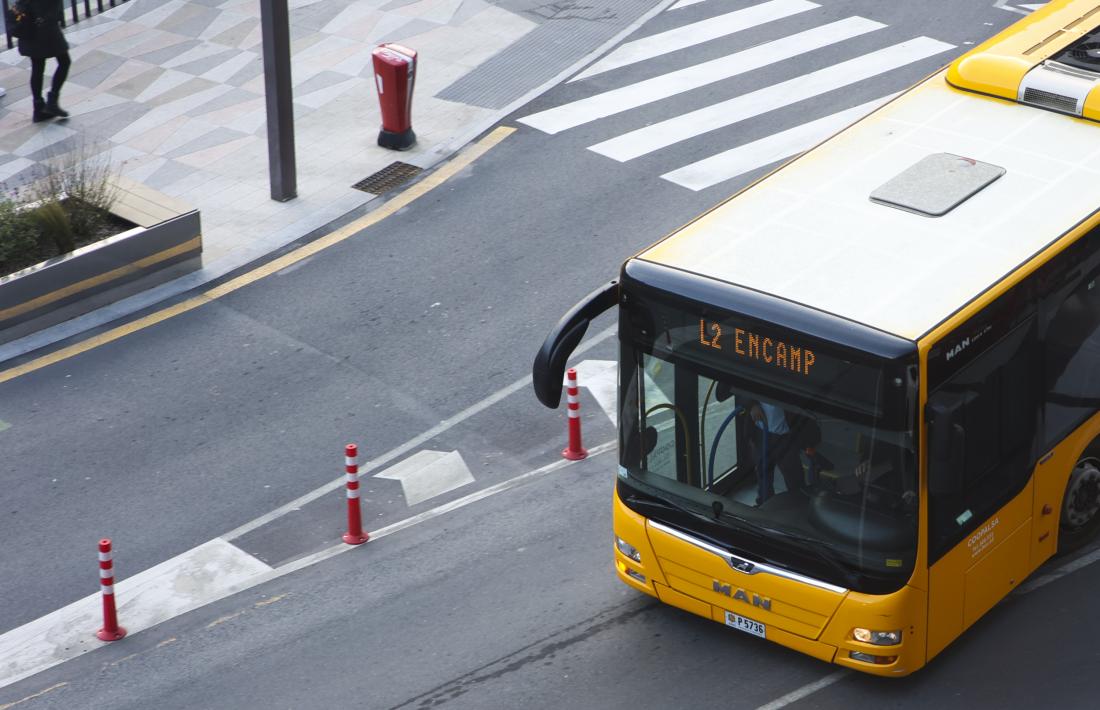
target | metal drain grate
[{"x": 388, "y": 178}]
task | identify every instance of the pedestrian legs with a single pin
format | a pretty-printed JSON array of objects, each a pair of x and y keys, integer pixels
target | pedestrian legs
[{"x": 59, "y": 76}]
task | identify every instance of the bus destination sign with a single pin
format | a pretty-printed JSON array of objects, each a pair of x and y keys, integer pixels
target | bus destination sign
[
  {"x": 750, "y": 346},
  {"x": 757, "y": 352}
]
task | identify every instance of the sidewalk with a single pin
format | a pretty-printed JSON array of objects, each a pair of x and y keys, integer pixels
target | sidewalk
[{"x": 175, "y": 91}]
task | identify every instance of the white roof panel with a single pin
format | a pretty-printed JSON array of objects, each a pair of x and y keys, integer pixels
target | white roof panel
[{"x": 810, "y": 233}]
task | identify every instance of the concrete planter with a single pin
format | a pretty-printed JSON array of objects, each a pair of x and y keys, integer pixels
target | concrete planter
[{"x": 166, "y": 244}]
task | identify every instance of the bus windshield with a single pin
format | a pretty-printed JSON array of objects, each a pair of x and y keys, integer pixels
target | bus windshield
[{"x": 823, "y": 483}]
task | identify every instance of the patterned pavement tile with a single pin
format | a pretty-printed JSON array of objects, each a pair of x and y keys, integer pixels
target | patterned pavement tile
[
  {"x": 175, "y": 89},
  {"x": 190, "y": 20},
  {"x": 163, "y": 55},
  {"x": 95, "y": 66},
  {"x": 231, "y": 30}
]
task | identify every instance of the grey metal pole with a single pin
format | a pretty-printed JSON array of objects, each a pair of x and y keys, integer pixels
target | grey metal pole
[{"x": 275, "y": 26}]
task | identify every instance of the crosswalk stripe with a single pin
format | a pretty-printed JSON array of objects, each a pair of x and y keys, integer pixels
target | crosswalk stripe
[
  {"x": 625, "y": 98},
  {"x": 685, "y": 3},
  {"x": 696, "y": 33},
  {"x": 757, "y": 154},
  {"x": 726, "y": 113}
]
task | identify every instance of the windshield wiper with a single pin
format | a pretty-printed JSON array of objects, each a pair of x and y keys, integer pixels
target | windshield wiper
[
  {"x": 654, "y": 503},
  {"x": 819, "y": 548},
  {"x": 651, "y": 501},
  {"x": 754, "y": 529}
]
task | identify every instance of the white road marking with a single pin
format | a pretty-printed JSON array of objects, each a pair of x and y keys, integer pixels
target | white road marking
[
  {"x": 425, "y": 516},
  {"x": 685, "y": 3},
  {"x": 661, "y": 135},
  {"x": 601, "y": 379},
  {"x": 1073, "y": 566},
  {"x": 408, "y": 446},
  {"x": 828, "y": 680},
  {"x": 757, "y": 154},
  {"x": 809, "y": 689},
  {"x": 1024, "y": 9},
  {"x": 212, "y": 571},
  {"x": 197, "y": 577},
  {"x": 486, "y": 492},
  {"x": 661, "y": 87},
  {"x": 696, "y": 33},
  {"x": 427, "y": 474}
]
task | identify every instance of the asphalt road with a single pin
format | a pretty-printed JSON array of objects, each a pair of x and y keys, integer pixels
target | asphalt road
[
  {"x": 514, "y": 604},
  {"x": 182, "y": 431}
]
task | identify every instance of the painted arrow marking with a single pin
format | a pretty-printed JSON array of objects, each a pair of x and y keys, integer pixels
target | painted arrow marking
[
  {"x": 427, "y": 474},
  {"x": 601, "y": 379},
  {"x": 1023, "y": 9}
]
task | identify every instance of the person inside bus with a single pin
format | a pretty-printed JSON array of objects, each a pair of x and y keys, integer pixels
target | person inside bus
[{"x": 775, "y": 446}]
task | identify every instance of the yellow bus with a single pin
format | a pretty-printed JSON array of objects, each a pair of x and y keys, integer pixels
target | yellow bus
[{"x": 859, "y": 401}]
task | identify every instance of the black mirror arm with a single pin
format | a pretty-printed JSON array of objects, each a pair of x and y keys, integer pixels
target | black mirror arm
[{"x": 548, "y": 371}]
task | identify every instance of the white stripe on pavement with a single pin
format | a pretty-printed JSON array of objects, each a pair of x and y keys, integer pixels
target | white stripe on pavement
[
  {"x": 1062, "y": 571},
  {"x": 207, "y": 573},
  {"x": 413, "y": 443},
  {"x": 197, "y": 577},
  {"x": 685, "y": 3},
  {"x": 696, "y": 33},
  {"x": 809, "y": 689},
  {"x": 661, "y": 135},
  {"x": 625, "y": 98},
  {"x": 779, "y": 146}
]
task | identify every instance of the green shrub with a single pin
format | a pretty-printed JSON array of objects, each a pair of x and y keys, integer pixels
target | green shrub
[
  {"x": 53, "y": 223},
  {"x": 18, "y": 236},
  {"x": 66, "y": 204},
  {"x": 80, "y": 181}
]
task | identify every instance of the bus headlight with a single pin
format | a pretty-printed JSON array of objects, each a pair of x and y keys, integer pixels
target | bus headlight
[
  {"x": 879, "y": 638},
  {"x": 627, "y": 549}
]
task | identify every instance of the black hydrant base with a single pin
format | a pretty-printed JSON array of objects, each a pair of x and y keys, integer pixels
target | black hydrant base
[{"x": 397, "y": 140}]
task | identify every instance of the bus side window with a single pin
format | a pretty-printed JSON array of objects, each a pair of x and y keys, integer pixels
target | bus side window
[
  {"x": 718, "y": 429},
  {"x": 996, "y": 401},
  {"x": 1072, "y": 351},
  {"x": 662, "y": 416}
]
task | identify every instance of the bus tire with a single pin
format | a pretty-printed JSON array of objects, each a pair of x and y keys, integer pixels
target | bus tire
[{"x": 1080, "y": 515}]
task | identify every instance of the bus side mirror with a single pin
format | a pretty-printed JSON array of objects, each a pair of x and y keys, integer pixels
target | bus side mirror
[
  {"x": 548, "y": 372},
  {"x": 946, "y": 444}
]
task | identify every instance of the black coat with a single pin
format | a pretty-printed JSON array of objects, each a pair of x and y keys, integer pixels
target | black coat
[{"x": 47, "y": 40}]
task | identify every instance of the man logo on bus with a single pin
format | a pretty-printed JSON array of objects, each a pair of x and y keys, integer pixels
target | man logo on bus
[
  {"x": 963, "y": 345},
  {"x": 739, "y": 594}
]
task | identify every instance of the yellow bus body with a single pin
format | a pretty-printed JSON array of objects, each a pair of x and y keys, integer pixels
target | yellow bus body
[{"x": 939, "y": 601}]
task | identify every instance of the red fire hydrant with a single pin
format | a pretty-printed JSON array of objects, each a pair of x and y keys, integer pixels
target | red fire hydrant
[{"x": 394, "y": 76}]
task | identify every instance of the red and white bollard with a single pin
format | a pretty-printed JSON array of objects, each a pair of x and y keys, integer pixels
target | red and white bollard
[
  {"x": 575, "y": 451},
  {"x": 355, "y": 534},
  {"x": 111, "y": 631}
]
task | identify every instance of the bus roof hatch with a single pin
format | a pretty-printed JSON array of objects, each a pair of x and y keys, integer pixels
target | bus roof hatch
[{"x": 936, "y": 184}]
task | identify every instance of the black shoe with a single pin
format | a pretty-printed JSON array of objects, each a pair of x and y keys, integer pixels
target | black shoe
[
  {"x": 53, "y": 107},
  {"x": 42, "y": 112}
]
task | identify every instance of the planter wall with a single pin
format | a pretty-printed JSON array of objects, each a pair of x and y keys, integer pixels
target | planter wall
[{"x": 167, "y": 243}]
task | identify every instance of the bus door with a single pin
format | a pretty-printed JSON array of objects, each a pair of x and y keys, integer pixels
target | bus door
[{"x": 982, "y": 421}]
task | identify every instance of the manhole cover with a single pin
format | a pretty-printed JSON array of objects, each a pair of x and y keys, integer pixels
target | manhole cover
[{"x": 388, "y": 178}]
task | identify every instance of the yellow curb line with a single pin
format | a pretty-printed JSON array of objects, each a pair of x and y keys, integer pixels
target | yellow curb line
[{"x": 437, "y": 178}]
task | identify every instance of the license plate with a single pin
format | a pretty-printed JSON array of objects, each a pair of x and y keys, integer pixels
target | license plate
[{"x": 747, "y": 625}]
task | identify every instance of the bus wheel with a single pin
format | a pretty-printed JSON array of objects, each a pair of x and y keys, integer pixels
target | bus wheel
[{"x": 1081, "y": 505}]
